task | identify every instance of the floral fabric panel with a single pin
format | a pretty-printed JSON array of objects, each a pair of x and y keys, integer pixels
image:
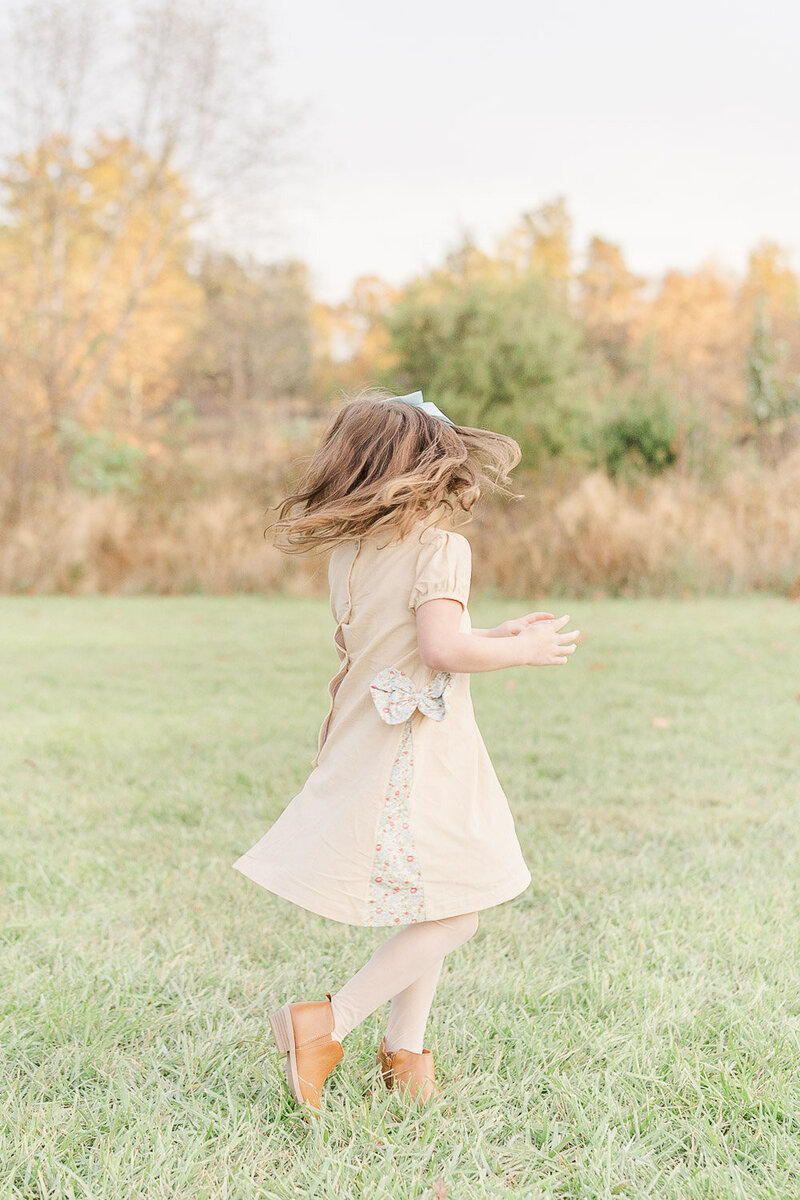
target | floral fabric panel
[
  {"x": 396, "y": 890},
  {"x": 396, "y": 893}
]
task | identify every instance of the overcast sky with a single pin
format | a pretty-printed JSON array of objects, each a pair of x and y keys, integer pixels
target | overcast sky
[{"x": 672, "y": 129}]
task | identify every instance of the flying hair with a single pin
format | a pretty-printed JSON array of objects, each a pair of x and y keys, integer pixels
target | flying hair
[{"x": 381, "y": 467}]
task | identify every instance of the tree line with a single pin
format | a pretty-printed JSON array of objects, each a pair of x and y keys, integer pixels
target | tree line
[{"x": 131, "y": 307}]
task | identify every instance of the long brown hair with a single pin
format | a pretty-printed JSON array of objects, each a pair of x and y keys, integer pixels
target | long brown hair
[{"x": 382, "y": 467}]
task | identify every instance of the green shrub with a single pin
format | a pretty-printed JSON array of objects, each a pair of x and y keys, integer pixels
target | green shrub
[
  {"x": 641, "y": 438},
  {"x": 496, "y": 353},
  {"x": 772, "y": 393},
  {"x": 98, "y": 461}
]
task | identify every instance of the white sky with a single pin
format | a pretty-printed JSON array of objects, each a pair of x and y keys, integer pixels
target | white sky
[{"x": 672, "y": 129}]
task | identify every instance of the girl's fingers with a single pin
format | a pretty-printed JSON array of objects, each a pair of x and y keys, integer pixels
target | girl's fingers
[{"x": 573, "y": 633}]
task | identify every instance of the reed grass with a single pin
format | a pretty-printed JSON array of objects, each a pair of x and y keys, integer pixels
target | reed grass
[{"x": 201, "y": 529}]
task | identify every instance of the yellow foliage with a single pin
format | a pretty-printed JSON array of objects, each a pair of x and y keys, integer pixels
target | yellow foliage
[
  {"x": 352, "y": 343},
  {"x": 541, "y": 243},
  {"x": 770, "y": 278},
  {"x": 698, "y": 337},
  {"x": 611, "y": 299},
  {"x": 98, "y": 300}
]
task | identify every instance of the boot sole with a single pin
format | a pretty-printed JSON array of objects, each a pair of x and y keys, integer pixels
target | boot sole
[{"x": 283, "y": 1032}]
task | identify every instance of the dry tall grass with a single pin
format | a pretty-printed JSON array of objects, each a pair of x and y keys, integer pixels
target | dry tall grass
[{"x": 670, "y": 535}]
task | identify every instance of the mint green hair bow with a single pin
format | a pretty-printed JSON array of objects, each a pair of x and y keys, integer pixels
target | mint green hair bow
[{"x": 415, "y": 399}]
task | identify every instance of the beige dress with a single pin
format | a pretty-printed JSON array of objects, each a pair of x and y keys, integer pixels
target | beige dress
[{"x": 402, "y": 818}]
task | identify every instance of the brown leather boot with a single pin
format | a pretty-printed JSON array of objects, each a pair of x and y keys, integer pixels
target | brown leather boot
[
  {"x": 410, "y": 1073},
  {"x": 303, "y": 1033}
]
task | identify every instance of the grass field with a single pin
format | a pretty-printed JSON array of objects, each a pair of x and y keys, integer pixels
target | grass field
[{"x": 628, "y": 1027}]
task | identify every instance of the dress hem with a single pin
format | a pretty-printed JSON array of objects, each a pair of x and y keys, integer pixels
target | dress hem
[{"x": 301, "y": 899}]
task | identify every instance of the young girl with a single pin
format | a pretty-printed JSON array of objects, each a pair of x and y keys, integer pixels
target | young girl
[{"x": 402, "y": 822}]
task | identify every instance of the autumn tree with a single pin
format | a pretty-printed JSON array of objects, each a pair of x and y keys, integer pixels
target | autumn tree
[
  {"x": 540, "y": 244},
  {"x": 95, "y": 306},
  {"x": 610, "y": 301},
  {"x": 352, "y": 342},
  {"x": 252, "y": 341},
  {"x": 771, "y": 281},
  {"x": 100, "y": 215},
  {"x": 696, "y": 345}
]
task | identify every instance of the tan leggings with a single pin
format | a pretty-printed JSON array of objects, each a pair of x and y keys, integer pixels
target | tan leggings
[{"x": 405, "y": 970}]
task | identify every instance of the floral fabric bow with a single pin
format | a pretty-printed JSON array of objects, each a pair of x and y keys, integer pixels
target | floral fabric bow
[
  {"x": 415, "y": 399},
  {"x": 396, "y": 696}
]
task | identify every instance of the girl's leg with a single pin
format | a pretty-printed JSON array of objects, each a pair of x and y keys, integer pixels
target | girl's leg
[
  {"x": 397, "y": 964},
  {"x": 409, "y": 1012}
]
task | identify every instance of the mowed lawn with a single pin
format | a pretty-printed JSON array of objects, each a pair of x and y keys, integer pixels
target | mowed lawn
[{"x": 628, "y": 1027}]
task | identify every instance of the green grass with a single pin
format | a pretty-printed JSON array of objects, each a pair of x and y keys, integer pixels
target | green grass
[{"x": 628, "y": 1027}]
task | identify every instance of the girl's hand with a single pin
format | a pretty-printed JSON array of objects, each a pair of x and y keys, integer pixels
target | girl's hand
[
  {"x": 543, "y": 645},
  {"x": 517, "y": 624}
]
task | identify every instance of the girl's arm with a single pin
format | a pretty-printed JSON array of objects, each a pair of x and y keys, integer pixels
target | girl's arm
[
  {"x": 513, "y": 627},
  {"x": 443, "y": 647}
]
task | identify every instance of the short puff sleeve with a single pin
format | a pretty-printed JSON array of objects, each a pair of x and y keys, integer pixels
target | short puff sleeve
[{"x": 444, "y": 568}]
